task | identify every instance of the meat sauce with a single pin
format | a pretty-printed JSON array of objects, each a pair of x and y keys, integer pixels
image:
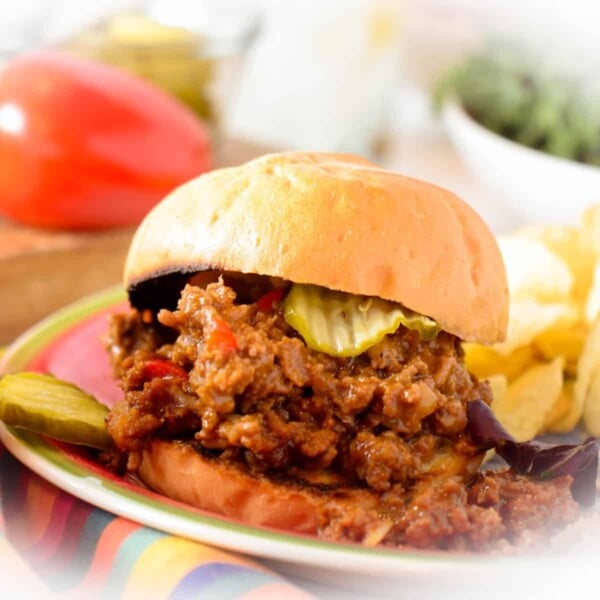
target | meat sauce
[{"x": 392, "y": 422}]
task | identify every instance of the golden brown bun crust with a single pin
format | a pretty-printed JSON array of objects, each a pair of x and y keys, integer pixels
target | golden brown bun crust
[
  {"x": 336, "y": 221},
  {"x": 176, "y": 470}
]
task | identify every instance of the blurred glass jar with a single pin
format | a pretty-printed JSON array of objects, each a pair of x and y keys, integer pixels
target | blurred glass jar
[
  {"x": 22, "y": 28},
  {"x": 188, "y": 51},
  {"x": 326, "y": 74}
]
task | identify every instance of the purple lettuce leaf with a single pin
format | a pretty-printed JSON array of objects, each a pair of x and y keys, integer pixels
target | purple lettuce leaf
[{"x": 536, "y": 459}]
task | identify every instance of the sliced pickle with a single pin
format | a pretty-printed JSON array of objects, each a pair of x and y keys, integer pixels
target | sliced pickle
[
  {"x": 342, "y": 324},
  {"x": 54, "y": 408}
]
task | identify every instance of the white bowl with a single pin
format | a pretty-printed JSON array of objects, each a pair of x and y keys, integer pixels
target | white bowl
[{"x": 536, "y": 186}]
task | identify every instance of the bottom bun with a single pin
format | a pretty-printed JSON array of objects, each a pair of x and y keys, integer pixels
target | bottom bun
[
  {"x": 179, "y": 471},
  {"x": 306, "y": 502}
]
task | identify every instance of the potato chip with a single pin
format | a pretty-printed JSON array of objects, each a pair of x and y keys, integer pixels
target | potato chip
[
  {"x": 524, "y": 407},
  {"x": 528, "y": 318},
  {"x": 591, "y": 225},
  {"x": 484, "y": 362},
  {"x": 554, "y": 284},
  {"x": 534, "y": 271},
  {"x": 563, "y": 416},
  {"x": 587, "y": 369},
  {"x": 574, "y": 246},
  {"x": 499, "y": 385},
  {"x": 564, "y": 339},
  {"x": 592, "y": 306},
  {"x": 589, "y": 363},
  {"x": 591, "y": 410}
]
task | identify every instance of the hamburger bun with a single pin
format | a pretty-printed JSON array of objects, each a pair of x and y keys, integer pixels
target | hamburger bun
[
  {"x": 336, "y": 221},
  {"x": 177, "y": 470}
]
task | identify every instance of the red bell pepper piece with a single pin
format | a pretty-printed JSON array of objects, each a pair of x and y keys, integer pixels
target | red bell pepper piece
[
  {"x": 159, "y": 367},
  {"x": 221, "y": 336},
  {"x": 265, "y": 303}
]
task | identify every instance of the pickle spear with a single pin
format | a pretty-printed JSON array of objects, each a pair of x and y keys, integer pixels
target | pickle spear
[
  {"x": 54, "y": 408},
  {"x": 341, "y": 324}
]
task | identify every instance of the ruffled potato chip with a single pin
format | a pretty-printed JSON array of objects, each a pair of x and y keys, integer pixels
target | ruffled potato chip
[
  {"x": 574, "y": 246},
  {"x": 484, "y": 362},
  {"x": 590, "y": 221},
  {"x": 592, "y": 306},
  {"x": 499, "y": 385},
  {"x": 524, "y": 407},
  {"x": 528, "y": 318},
  {"x": 564, "y": 415},
  {"x": 554, "y": 284},
  {"x": 564, "y": 339},
  {"x": 591, "y": 410},
  {"x": 591, "y": 226},
  {"x": 586, "y": 396},
  {"x": 534, "y": 271}
]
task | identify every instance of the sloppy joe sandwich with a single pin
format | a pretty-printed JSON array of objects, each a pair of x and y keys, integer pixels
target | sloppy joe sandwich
[{"x": 293, "y": 357}]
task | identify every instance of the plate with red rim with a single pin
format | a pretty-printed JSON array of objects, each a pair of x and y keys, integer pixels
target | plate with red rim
[{"x": 68, "y": 345}]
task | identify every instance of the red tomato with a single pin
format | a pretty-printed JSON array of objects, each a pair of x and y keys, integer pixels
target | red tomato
[{"x": 84, "y": 145}]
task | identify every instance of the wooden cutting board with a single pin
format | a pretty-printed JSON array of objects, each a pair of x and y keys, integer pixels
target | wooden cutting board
[{"x": 41, "y": 271}]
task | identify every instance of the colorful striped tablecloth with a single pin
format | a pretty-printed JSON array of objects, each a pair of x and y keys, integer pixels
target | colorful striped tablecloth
[{"x": 52, "y": 544}]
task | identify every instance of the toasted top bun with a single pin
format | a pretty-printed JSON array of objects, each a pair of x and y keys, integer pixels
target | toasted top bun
[{"x": 332, "y": 220}]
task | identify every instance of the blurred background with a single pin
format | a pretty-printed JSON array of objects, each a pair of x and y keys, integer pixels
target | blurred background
[{"x": 497, "y": 101}]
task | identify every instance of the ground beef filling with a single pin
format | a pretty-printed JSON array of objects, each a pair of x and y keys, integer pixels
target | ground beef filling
[
  {"x": 492, "y": 511},
  {"x": 242, "y": 383},
  {"x": 391, "y": 415}
]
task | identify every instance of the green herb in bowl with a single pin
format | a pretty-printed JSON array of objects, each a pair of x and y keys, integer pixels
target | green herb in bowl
[{"x": 523, "y": 98}]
